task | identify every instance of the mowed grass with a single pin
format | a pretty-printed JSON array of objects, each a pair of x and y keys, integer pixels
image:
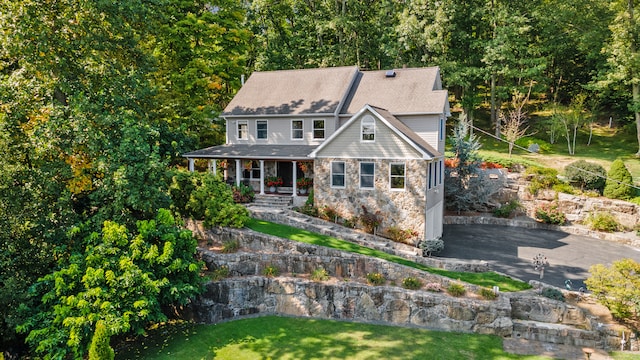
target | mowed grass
[
  {"x": 488, "y": 279},
  {"x": 284, "y": 338}
]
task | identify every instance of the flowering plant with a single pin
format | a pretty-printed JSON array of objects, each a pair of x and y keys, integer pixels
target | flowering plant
[
  {"x": 304, "y": 183},
  {"x": 273, "y": 181}
]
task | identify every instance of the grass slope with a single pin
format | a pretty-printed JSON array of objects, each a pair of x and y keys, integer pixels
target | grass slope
[
  {"x": 482, "y": 279},
  {"x": 274, "y": 337}
]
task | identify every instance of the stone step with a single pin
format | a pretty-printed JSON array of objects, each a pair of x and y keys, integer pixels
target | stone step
[{"x": 273, "y": 201}]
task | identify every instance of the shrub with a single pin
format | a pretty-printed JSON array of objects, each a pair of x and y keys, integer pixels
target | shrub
[
  {"x": 550, "y": 214},
  {"x": 375, "y": 279},
  {"x": 586, "y": 175},
  {"x": 243, "y": 194},
  {"x": 507, "y": 210},
  {"x": 541, "y": 178},
  {"x": 527, "y": 141},
  {"x": 232, "y": 215},
  {"x": 602, "y": 221},
  {"x": 220, "y": 273},
  {"x": 636, "y": 200},
  {"x": 308, "y": 210},
  {"x": 310, "y": 200},
  {"x": 230, "y": 246},
  {"x": 370, "y": 220},
  {"x": 619, "y": 182},
  {"x": 351, "y": 222},
  {"x": 329, "y": 213},
  {"x": 564, "y": 188},
  {"x": 456, "y": 289},
  {"x": 270, "y": 271},
  {"x": 320, "y": 274},
  {"x": 430, "y": 247},
  {"x": 617, "y": 287},
  {"x": 400, "y": 235},
  {"x": 488, "y": 294},
  {"x": 412, "y": 283},
  {"x": 433, "y": 287},
  {"x": 553, "y": 294}
]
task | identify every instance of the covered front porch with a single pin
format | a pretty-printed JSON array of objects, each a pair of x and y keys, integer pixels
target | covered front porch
[{"x": 267, "y": 169}]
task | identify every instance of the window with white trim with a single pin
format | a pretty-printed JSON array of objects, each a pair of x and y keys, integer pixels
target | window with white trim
[
  {"x": 318, "y": 129},
  {"x": 261, "y": 129},
  {"x": 242, "y": 128},
  {"x": 338, "y": 174},
  {"x": 368, "y": 129},
  {"x": 441, "y": 133},
  {"x": 367, "y": 175},
  {"x": 397, "y": 176},
  {"x": 430, "y": 181},
  {"x": 297, "y": 129},
  {"x": 440, "y": 171}
]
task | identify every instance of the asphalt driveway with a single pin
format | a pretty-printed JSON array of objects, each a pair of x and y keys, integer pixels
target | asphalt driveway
[{"x": 510, "y": 250}]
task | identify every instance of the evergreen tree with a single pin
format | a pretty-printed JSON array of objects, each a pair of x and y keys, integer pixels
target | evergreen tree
[
  {"x": 100, "y": 348},
  {"x": 468, "y": 188},
  {"x": 619, "y": 183}
]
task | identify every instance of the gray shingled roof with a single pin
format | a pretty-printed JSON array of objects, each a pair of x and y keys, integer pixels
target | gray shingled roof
[
  {"x": 293, "y": 92},
  {"x": 242, "y": 151},
  {"x": 410, "y": 91}
]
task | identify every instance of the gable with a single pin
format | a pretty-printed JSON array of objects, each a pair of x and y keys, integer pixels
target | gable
[{"x": 389, "y": 141}]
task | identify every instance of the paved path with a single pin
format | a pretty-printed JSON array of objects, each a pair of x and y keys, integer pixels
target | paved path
[{"x": 510, "y": 250}]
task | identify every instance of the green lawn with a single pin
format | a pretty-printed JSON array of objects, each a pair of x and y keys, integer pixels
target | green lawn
[
  {"x": 274, "y": 337},
  {"x": 488, "y": 279}
]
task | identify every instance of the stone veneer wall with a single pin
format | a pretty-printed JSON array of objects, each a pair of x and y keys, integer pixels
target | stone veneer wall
[{"x": 405, "y": 209}]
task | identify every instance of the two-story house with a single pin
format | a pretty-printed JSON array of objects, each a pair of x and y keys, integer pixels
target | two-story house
[{"x": 372, "y": 139}]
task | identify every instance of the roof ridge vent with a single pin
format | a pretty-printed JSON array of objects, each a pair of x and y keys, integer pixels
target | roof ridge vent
[{"x": 390, "y": 74}]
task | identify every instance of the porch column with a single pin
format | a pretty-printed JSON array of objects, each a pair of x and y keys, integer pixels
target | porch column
[
  {"x": 238, "y": 172},
  {"x": 261, "y": 177},
  {"x": 295, "y": 186},
  {"x": 191, "y": 164},
  {"x": 213, "y": 167}
]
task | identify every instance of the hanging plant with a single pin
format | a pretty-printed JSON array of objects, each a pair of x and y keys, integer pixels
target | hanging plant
[
  {"x": 248, "y": 165},
  {"x": 305, "y": 165}
]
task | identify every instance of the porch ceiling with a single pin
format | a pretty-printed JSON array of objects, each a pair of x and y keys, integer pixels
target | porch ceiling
[{"x": 264, "y": 152}]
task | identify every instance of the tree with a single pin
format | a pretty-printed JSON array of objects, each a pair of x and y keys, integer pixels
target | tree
[
  {"x": 619, "y": 184},
  {"x": 468, "y": 188},
  {"x": 513, "y": 124},
  {"x": 572, "y": 119},
  {"x": 624, "y": 55},
  {"x": 617, "y": 287},
  {"x": 123, "y": 279},
  {"x": 586, "y": 175},
  {"x": 100, "y": 348}
]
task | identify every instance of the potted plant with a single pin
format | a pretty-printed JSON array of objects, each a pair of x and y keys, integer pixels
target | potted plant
[
  {"x": 273, "y": 182},
  {"x": 303, "y": 184}
]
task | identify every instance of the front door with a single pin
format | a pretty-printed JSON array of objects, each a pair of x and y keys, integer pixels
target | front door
[{"x": 285, "y": 170}]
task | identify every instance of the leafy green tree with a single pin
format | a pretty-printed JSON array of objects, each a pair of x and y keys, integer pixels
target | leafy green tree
[
  {"x": 619, "y": 184},
  {"x": 617, "y": 287},
  {"x": 123, "y": 279},
  {"x": 100, "y": 348},
  {"x": 201, "y": 51}
]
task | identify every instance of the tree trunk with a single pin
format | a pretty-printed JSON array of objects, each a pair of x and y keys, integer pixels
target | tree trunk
[{"x": 635, "y": 86}]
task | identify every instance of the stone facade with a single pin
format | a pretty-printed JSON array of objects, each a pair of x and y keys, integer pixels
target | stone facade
[{"x": 404, "y": 209}]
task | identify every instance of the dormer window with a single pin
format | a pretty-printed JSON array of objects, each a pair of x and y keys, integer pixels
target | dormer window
[{"x": 368, "y": 129}]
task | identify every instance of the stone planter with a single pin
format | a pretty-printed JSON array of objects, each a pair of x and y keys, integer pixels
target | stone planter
[{"x": 272, "y": 189}]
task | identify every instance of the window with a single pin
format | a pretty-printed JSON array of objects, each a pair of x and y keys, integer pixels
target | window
[
  {"x": 318, "y": 129},
  {"x": 441, "y": 134},
  {"x": 430, "y": 181},
  {"x": 367, "y": 175},
  {"x": 297, "y": 131},
  {"x": 368, "y": 128},
  {"x": 261, "y": 129},
  {"x": 440, "y": 166},
  {"x": 337, "y": 173},
  {"x": 242, "y": 133},
  {"x": 255, "y": 170},
  {"x": 396, "y": 176}
]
